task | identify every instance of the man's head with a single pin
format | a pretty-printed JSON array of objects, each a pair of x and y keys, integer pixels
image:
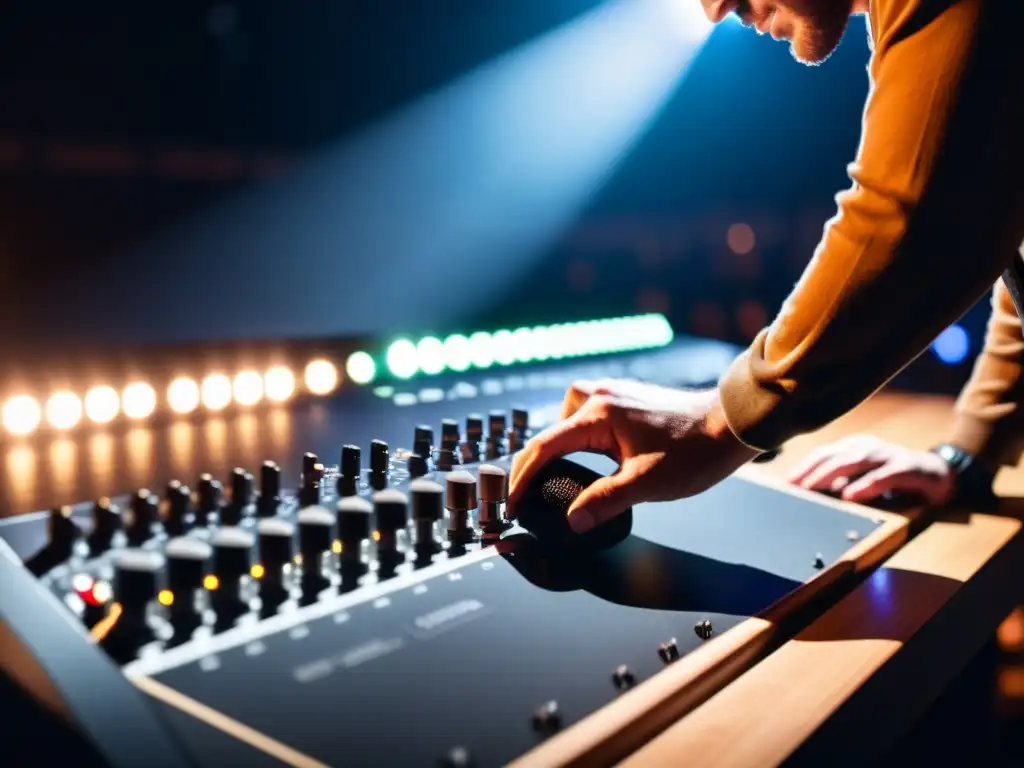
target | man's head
[{"x": 813, "y": 28}]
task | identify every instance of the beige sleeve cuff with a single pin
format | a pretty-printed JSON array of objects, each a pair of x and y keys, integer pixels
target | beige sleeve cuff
[{"x": 752, "y": 409}]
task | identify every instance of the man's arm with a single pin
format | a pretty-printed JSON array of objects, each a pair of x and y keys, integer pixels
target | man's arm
[
  {"x": 990, "y": 410},
  {"x": 932, "y": 218}
]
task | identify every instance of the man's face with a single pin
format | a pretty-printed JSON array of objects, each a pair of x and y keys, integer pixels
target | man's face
[{"x": 813, "y": 28}]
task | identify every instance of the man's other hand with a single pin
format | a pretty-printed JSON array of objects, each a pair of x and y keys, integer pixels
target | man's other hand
[
  {"x": 669, "y": 444},
  {"x": 862, "y": 468}
]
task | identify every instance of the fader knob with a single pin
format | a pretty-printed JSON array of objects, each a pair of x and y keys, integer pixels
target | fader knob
[
  {"x": 496, "y": 424},
  {"x": 423, "y": 433},
  {"x": 461, "y": 501},
  {"x": 144, "y": 512},
  {"x": 417, "y": 465},
  {"x": 188, "y": 560},
  {"x": 427, "y": 509},
  {"x": 521, "y": 421},
  {"x": 232, "y": 554},
  {"x": 449, "y": 433},
  {"x": 474, "y": 428},
  {"x": 493, "y": 490},
  {"x": 309, "y": 462},
  {"x": 208, "y": 493},
  {"x": 270, "y": 489},
  {"x": 106, "y": 521},
  {"x": 241, "y": 487},
  {"x": 136, "y": 577},
  {"x": 354, "y": 516},
  {"x": 179, "y": 509},
  {"x": 316, "y": 531},
  {"x": 423, "y": 448},
  {"x": 390, "y": 507},
  {"x": 446, "y": 459},
  {"x": 62, "y": 532},
  {"x": 380, "y": 458},
  {"x": 276, "y": 538},
  {"x": 349, "y": 469}
]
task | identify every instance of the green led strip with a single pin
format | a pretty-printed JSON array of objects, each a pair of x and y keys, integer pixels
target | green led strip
[{"x": 405, "y": 358}]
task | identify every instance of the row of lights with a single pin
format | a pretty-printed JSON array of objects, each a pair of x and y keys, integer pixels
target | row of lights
[
  {"x": 403, "y": 359},
  {"x": 24, "y": 414}
]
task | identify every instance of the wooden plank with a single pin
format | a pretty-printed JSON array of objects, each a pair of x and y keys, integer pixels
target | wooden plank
[{"x": 882, "y": 652}]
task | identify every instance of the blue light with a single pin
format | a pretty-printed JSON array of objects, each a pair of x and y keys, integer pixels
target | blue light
[{"x": 952, "y": 346}]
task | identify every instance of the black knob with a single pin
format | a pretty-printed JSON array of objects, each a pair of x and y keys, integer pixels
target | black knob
[
  {"x": 492, "y": 485},
  {"x": 208, "y": 493},
  {"x": 309, "y": 462},
  {"x": 520, "y": 421},
  {"x": 449, "y": 433},
  {"x": 417, "y": 465},
  {"x": 136, "y": 580},
  {"x": 179, "y": 509},
  {"x": 424, "y": 433},
  {"x": 427, "y": 508},
  {"x": 144, "y": 512},
  {"x": 106, "y": 521},
  {"x": 461, "y": 501},
  {"x": 232, "y": 554},
  {"x": 241, "y": 487},
  {"x": 474, "y": 428},
  {"x": 309, "y": 492},
  {"x": 354, "y": 517},
  {"x": 446, "y": 459},
  {"x": 379, "y": 457},
  {"x": 270, "y": 489},
  {"x": 276, "y": 545},
  {"x": 496, "y": 424},
  {"x": 351, "y": 461},
  {"x": 423, "y": 448},
  {"x": 62, "y": 532},
  {"x": 188, "y": 561},
  {"x": 316, "y": 532},
  {"x": 391, "y": 509}
]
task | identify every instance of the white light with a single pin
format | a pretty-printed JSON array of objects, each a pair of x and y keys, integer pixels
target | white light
[
  {"x": 361, "y": 368},
  {"x": 216, "y": 392},
  {"x": 501, "y": 343},
  {"x": 64, "y": 410},
  {"x": 480, "y": 350},
  {"x": 138, "y": 400},
  {"x": 183, "y": 395},
  {"x": 248, "y": 388},
  {"x": 430, "y": 355},
  {"x": 279, "y": 384},
  {"x": 456, "y": 352},
  {"x": 102, "y": 404},
  {"x": 21, "y": 415},
  {"x": 321, "y": 377},
  {"x": 401, "y": 359}
]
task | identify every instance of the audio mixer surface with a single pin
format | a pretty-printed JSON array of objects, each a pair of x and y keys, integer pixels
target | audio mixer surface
[{"x": 388, "y": 614}]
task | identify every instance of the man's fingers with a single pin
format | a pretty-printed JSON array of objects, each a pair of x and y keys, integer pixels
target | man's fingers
[
  {"x": 826, "y": 473},
  {"x": 885, "y": 479},
  {"x": 848, "y": 446},
  {"x": 577, "y": 433},
  {"x": 602, "y": 500}
]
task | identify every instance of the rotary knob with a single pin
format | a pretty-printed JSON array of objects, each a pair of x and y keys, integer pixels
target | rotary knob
[
  {"x": 493, "y": 491},
  {"x": 144, "y": 513},
  {"x": 136, "y": 581},
  {"x": 179, "y": 516},
  {"x": 349, "y": 470},
  {"x": 241, "y": 493},
  {"x": 417, "y": 465},
  {"x": 187, "y": 563},
  {"x": 380, "y": 457},
  {"x": 427, "y": 509},
  {"x": 276, "y": 537},
  {"x": 423, "y": 433},
  {"x": 316, "y": 533},
  {"x": 449, "y": 433},
  {"x": 232, "y": 554},
  {"x": 208, "y": 493},
  {"x": 106, "y": 521},
  {"x": 270, "y": 489},
  {"x": 390, "y": 507},
  {"x": 354, "y": 516},
  {"x": 461, "y": 502}
]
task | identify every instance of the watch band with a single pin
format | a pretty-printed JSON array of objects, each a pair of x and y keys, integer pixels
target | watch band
[{"x": 974, "y": 482}]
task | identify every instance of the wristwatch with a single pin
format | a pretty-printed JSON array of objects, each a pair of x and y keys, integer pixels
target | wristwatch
[{"x": 973, "y": 481}]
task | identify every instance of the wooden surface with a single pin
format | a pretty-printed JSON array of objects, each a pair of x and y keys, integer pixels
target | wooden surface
[
  {"x": 641, "y": 713},
  {"x": 881, "y": 654}
]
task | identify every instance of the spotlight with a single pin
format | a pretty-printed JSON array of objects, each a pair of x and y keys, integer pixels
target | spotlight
[
  {"x": 64, "y": 410},
  {"x": 21, "y": 415},
  {"x": 216, "y": 392},
  {"x": 361, "y": 368},
  {"x": 321, "y": 377},
  {"x": 183, "y": 395},
  {"x": 279, "y": 384},
  {"x": 138, "y": 400},
  {"x": 248, "y": 388},
  {"x": 102, "y": 404}
]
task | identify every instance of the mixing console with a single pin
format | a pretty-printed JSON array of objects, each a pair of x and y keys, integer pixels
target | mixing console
[{"x": 381, "y": 610}]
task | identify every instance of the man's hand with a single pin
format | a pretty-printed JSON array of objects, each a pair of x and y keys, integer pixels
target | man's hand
[
  {"x": 862, "y": 468},
  {"x": 669, "y": 444}
]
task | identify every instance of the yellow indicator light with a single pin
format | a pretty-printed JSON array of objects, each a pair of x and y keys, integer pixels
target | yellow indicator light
[
  {"x": 376, "y": 535},
  {"x": 257, "y": 571},
  {"x": 336, "y": 547},
  {"x": 211, "y": 582},
  {"x": 166, "y": 597}
]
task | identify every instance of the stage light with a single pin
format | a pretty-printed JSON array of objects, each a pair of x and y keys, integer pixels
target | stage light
[
  {"x": 216, "y": 392},
  {"x": 138, "y": 400},
  {"x": 457, "y": 355},
  {"x": 102, "y": 404},
  {"x": 248, "y": 388},
  {"x": 279, "y": 384},
  {"x": 21, "y": 415},
  {"x": 64, "y": 410},
  {"x": 952, "y": 345},
  {"x": 481, "y": 352},
  {"x": 401, "y": 359},
  {"x": 360, "y": 368},
  {"x": 430, "y": 355},
  {"x": 183, "y": 395},
  {"x": 321, "y": 377}
]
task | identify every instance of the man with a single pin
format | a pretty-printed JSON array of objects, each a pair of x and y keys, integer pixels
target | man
[{"x": 934, "y": 216}]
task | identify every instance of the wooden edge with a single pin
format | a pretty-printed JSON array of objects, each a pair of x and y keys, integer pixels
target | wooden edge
[
  {"x": 763, "y": 717},
  {"x": 638, "y": 715}
]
